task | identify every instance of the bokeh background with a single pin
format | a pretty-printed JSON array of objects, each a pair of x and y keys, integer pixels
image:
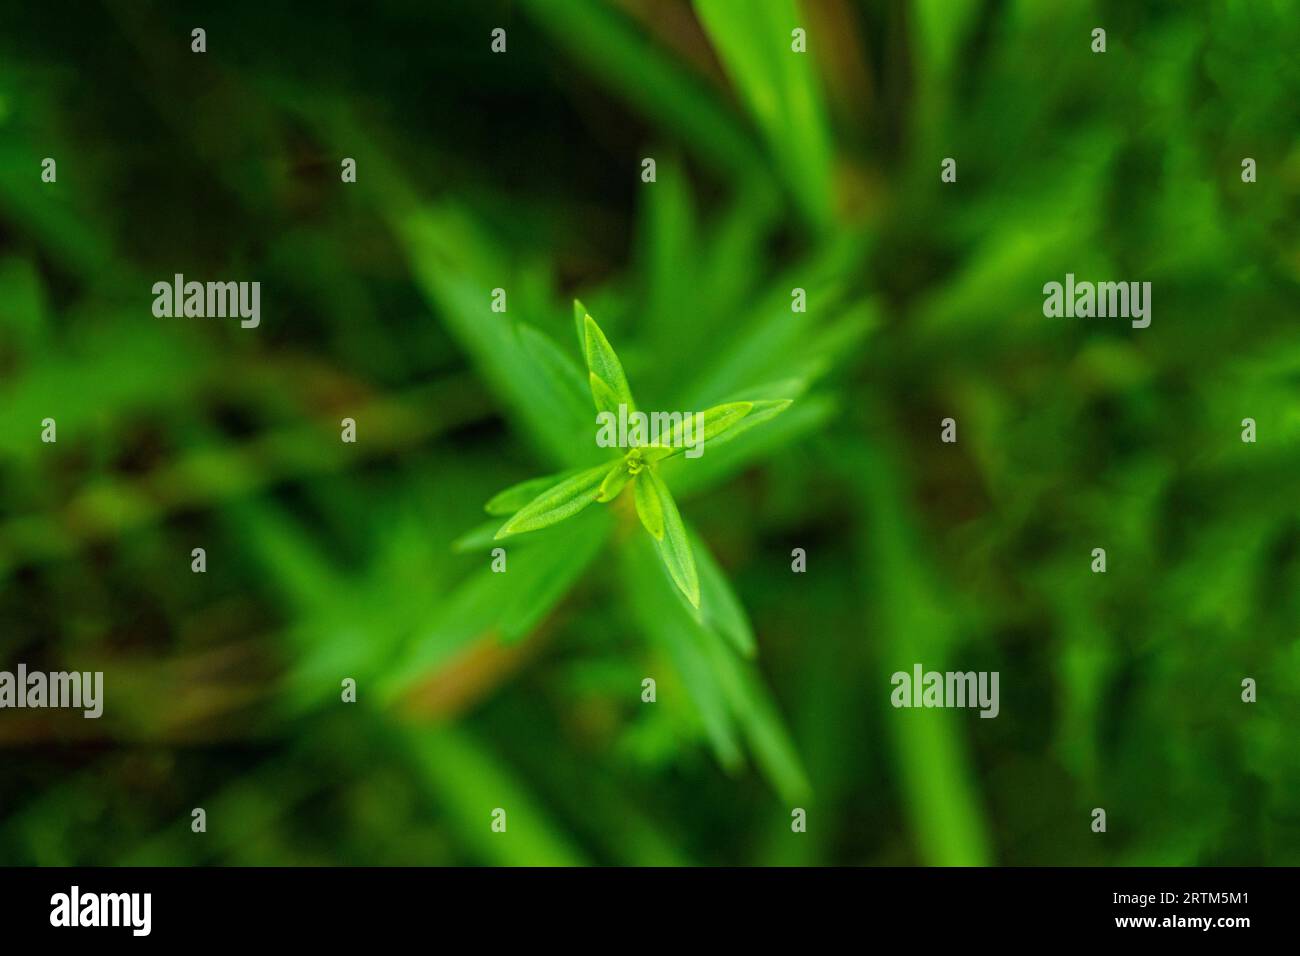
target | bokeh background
[{"x": 774, "y": 170}]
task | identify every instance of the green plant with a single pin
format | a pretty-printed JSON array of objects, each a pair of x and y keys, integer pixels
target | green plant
[{"x": 541, "y": 502}]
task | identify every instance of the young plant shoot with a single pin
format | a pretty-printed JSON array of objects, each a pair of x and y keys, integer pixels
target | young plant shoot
[{"x": 541, "y": 502}]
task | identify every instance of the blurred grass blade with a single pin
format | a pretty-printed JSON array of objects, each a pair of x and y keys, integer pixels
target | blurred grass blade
[
  {"x": 727, "y": 692},
  {"x": 779, "y": 87},
  {"x": 479, "y": 538},
  {"x": 720, "y": 607},
  {"x": 663, "y": 619},
  {"x": 469, "y": 783},
  {"x": 656, "y": 82},
  {"x": 914, "y": 617},
  {"x": 454, "y": 261},
  {"x": 555, "y": 363},
  {"x": 500, "y": 606}
]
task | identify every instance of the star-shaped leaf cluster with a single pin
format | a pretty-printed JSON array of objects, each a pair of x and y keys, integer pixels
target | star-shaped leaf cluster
[{"x": 541, "y": 502}]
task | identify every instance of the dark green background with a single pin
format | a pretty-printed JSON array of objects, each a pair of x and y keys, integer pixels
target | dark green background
[{"x": 521, "y": 171}]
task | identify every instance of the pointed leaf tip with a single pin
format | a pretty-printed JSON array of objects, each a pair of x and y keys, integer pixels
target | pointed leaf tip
[
  {"x": 560, "y": 501},
  {"x": 702, "y": 428},
  {"x": 510, "y": 500},
  {"x": 603, "y": 362},
  {"x": 674, "y": 546}
]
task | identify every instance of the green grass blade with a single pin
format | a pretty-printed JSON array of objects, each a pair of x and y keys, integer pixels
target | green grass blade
[
  {"x": 468, "y": 782},
  {"x": 728, "y": 692},
  {"x": 720, "y": 607},
  {"x": 938, "y": 788},
  {"x": 656, "y": 82},
  {"x": 500, "y": 606},
  {"x": 666, "y": 624},
  {"x": 781, "y": 90}
]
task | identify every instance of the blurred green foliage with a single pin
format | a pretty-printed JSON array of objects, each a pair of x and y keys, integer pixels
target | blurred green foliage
[{"x": 775, "y": 170}]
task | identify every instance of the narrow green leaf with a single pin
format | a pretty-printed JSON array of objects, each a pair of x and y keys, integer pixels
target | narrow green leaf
[
  {"x": 606, "y": 400},
  {"x": 465, "y": 775},
  {"x": 603, "y": 363},
  {"x": 730, "y": 457},
  {"x": 613, "y": 482},
  {"x": 453, "y": 259},
  {"x": 715, "y": 421},
  {"x": 666, "y": 624},
  {"x": 651, "y": 78},
  {"x": 674, "y": 547},
  {"x": 488, "y": 606},
  {"x": 555, "y": 364},
  {"x": 761, "y": 722},
  {"x": 516, "y": 496},
  {"x": 761, "y": 412},
  {"x": 648, "y": 508},
  {"x": 781, "y": 91},
  {"x": 916, "y": 622},
  {"x": 729, "y": 693},
  {"x": 564, "y": 500}
]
